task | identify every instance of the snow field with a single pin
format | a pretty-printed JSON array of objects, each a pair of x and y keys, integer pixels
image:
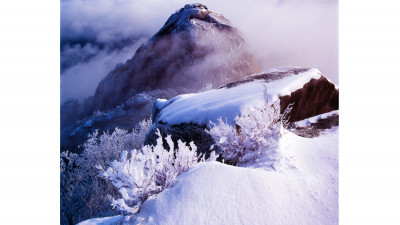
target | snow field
[{"x": 303, "y": 189}]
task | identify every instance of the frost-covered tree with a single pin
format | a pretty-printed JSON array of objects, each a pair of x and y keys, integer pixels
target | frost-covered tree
[
  {"x": 256, "y": 131},
  {"x": 142, "y": 174},
  {"x": 83, "y": 193}
]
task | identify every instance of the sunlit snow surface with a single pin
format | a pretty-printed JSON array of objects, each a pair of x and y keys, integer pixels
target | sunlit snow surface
[
  {"x": 303, "y": 189},
  {"x": 201, "y": 108}
]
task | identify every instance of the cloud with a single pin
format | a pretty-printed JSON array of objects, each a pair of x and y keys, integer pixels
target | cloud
[
  {"x": 98, "y": 34},
  {"x": 105, "y": 21},
  {"x": 94, "y": 27},
  {"x": 289, "y": 33},
  {"x": 81, "y": 80}
]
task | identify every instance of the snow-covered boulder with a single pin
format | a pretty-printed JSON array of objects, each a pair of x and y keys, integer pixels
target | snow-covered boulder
[
  {"x": 196, "y": 49},
  {"x": 186, "y": 116}
]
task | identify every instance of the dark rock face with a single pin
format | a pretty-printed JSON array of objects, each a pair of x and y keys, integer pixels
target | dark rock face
[
  {"x": 316, "y": 97},
  {"x": 196, "y": 48}
]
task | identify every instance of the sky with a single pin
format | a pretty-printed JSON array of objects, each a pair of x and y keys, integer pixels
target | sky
[{"x": 96, "y": 35}]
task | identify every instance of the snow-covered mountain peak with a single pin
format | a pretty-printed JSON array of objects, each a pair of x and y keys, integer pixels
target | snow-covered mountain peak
[
  {"x": 195, "y": 47},
  {"x": 190, "y": 16}
]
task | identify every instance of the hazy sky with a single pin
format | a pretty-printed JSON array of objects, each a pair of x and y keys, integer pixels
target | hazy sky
[{"x": 98, "y": 34}]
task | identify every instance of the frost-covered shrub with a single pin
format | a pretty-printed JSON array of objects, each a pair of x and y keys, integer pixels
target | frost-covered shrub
[
  {"x": 108, "y": 147},
  {"x": 143, "y": 174},
  {"x": 256, "y": 131},
  {"x": 83, "y": 193}
]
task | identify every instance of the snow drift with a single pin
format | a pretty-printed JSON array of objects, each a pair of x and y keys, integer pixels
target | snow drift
[{"x": 302, "y": 190}]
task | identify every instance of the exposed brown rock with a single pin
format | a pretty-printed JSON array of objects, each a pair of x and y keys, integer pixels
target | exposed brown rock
[{"x": 316, "y": 97}]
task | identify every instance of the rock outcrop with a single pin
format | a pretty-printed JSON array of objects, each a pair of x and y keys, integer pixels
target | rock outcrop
[
  {"x": 196, "y": 49},
  {"x": 185, "y": 117}
]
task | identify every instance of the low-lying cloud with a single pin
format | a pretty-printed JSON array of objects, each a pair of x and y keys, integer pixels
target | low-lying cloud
[
  {"x": 81, "y": 80},
  {"x": 98, "y": 34}
]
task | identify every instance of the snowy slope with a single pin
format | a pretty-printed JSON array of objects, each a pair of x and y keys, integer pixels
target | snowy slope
[
  {"x": 208, "y": 106},
  {"x": 302, "y": 190}
]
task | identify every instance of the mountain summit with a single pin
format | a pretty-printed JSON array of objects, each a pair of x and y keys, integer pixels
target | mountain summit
[
  {"x": 196, "y": 49},
  {"x": 201, "y": 15}
]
